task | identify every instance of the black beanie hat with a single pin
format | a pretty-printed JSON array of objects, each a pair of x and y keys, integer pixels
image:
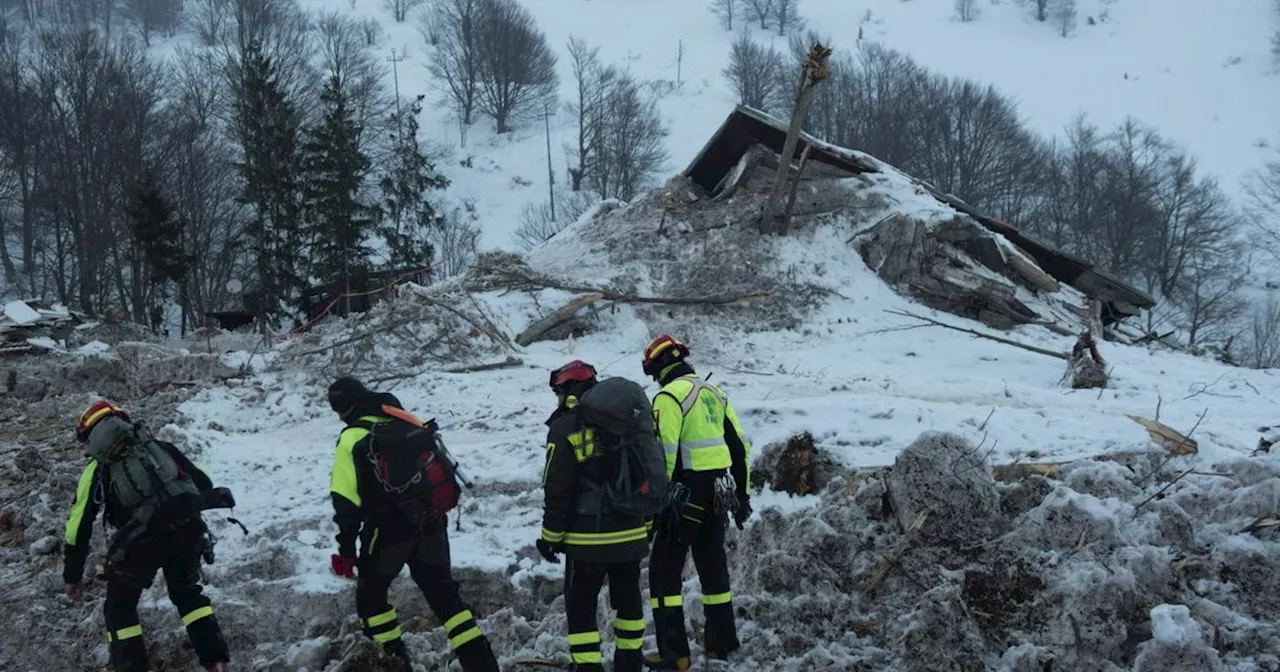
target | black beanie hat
[{"x": 345, "y": 392}]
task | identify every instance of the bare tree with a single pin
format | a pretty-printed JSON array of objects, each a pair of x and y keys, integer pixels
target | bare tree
[
  {"x": 726, "y": 11},
  {"x": 1209, "y": 299},
  {"x": 283, "y": 34},
  {"x": 1275, "y": 37},
  {"x": 24, "y": 142},
  {"x": 455, "y": 240},
  {"x": 1262, "y": 205},
  {"x": 970, "y": 142},
  {"x": 966, "y": 10},
  {"x": 1073, "y": 191},
  {"x": 786, "y": 14},
  {"x": 454, "y": 27},
  {"x": 371, "y": 30},
  {"x": 758, "y": 10},
  {"x": 1039, "y": 8},
  {"x": 345, "y": 55},
  {"x": 1262, "y": 346},
  {"x": 1063, "y": 13},
  {"x": 633, "y": 148},
  {"x": 592, "y": 83},
  {"x": 538, "y": 226},
  {"x": 755, "y": 74},
  {"x": 203, "y": 182},
  {"x": 400, "y": 8},
  {"x": 152, "y": 16},
  {"x": 209, "y": 21},
  {"x": 517, "y": 66},
  {"x": 1195, "y": 223}
]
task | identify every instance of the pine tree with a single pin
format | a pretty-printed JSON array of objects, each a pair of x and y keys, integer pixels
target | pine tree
[
  {"x": 158, "y": 256},
  {"x": 335, "y": 170},
  {"x": 408, "y": 213},
  {"x": 268, "y": 128}
]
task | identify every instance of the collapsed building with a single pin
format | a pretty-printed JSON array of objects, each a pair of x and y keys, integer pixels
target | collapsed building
[{"x": 972, "y": 264}]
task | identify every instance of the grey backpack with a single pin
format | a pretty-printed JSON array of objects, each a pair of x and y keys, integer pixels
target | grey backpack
[
  {"x": 136, "y": 470},
  {"x": 620, "y": 412}
]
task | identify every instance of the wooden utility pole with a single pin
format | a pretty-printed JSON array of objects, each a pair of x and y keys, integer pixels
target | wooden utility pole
[
  {"x": 395, "y": 77},
  {"x": 813, "y": 70},
  {"x": 551, "y": 174},
  {"x": 679, "y": 61},
  {"x": 785, "y": 224}
]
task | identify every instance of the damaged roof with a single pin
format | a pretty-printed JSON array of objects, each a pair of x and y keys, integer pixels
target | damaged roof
[{"x": 746, "y": 127}]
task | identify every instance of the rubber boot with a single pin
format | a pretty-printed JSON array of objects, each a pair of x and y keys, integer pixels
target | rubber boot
[
  {"x": 655, "y": 661},
  {"x": 476, "y": 656},
  {"x": 397, "y": 650},
  {"x": 627, "y": 661}
]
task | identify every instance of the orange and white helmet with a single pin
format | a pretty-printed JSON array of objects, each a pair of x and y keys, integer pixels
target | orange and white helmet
[
  {"x": 661, "y": 353},
  {"x": 94, "y": 414}
]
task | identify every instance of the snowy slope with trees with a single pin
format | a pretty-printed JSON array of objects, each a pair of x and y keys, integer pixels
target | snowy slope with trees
[{"x": 334, "y": 140}]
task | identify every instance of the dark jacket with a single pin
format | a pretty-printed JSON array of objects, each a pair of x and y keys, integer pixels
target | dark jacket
[
  {"x": 91, "y": 496},
  {"x": 574, "y": 465},
  {"x": 361, "y": 508}
]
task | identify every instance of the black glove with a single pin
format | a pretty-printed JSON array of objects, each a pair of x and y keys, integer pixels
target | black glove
[
  {"x": 549, "y": 551},
  {"x": 743, "y": 512}
]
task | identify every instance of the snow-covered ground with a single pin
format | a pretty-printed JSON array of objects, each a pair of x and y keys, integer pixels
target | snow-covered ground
[
  {"x": 863, "y": 392},
  {"x": 1198, "y": 72}
]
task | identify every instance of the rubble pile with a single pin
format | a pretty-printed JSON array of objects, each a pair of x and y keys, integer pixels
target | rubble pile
[
  {"x": 932, "y": 564},
  {"x": 415, "y": 329},
  {"x": 31, "y": 325}
]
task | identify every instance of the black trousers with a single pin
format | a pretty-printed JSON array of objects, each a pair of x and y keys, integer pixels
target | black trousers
[
  {"x": 427, "y": 555},
  {"x": 698, "y": 529},
  {"x": 177, "y": 554},
  {"x": 582, "y": 583}
]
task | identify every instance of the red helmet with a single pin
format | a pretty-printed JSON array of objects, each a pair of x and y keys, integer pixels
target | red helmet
[
  {"x": 661, "y": 352},
  {"x": 574, "y": 371},
  {"x": 96, "y": 412}
]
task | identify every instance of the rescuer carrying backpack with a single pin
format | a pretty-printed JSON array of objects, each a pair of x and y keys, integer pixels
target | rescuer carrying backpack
[
  {"x": 393, "y": 485},
  {"x": 152, "y": 495},
  {"x": 604, "y": 477}
]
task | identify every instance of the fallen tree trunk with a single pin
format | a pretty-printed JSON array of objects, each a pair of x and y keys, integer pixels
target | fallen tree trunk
[
  {"x": 558, "y": 318},
  {"x": 508, "y": 363},
  {"x": 979, "y": 334},
  {"x": 542, "y": 282}
]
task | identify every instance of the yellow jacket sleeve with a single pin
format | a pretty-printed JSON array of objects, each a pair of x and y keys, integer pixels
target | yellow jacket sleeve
[
  {"x": 344, "y": 490},
  {"x": 670, "y": 423}
]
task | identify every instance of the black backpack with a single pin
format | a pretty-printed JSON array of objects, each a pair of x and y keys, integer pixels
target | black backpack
[
  {"x": 139, "y": 475},
  {"x": 622, "y": 416},
  {"x": 408, "y": 463}
]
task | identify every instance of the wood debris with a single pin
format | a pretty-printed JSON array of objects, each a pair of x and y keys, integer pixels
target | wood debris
[{"x": 1168, "y": 438}]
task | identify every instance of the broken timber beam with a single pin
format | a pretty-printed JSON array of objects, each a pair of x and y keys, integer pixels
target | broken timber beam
[{"x": 558, "y": 318}]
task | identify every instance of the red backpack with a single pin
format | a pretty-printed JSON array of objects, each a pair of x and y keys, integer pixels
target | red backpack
[{"x": 410, "y": 463}]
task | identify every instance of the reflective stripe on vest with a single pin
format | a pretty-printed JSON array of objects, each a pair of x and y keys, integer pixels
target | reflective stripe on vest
[{"x": 702, "y": 445}]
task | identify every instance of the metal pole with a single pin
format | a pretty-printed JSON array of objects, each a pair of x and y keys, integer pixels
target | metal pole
[
  {"x": 551, "y": 175},
  {"x": 395, "y": 77}
]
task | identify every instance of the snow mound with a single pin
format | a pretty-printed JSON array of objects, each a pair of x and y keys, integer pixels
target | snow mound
[{"x": 1120, "y": 577}]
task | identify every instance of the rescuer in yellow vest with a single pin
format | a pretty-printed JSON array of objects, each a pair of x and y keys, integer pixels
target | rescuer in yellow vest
[{"x": 708, "y": 458}]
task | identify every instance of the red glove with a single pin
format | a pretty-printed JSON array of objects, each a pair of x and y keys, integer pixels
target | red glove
[{"x": 343, "y": 566}]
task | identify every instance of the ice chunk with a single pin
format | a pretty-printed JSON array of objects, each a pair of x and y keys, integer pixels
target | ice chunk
[{"x": 1172, "y": 624}]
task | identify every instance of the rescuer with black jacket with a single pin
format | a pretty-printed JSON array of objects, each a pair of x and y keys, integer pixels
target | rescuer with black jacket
[
  {"x": 388, "y": 540},
  {"x": 171, "y": 540},
  {"x": 597, "y": 542}
]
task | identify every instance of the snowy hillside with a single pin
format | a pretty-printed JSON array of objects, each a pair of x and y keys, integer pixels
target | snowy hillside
[{"x": 1200, "y": 73}]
